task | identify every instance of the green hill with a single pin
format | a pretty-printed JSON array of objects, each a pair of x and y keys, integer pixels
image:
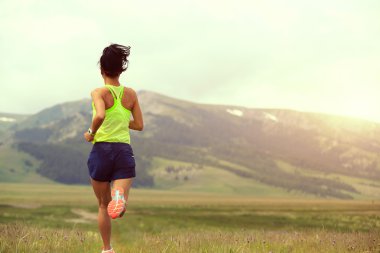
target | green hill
[{"x": 18, "y": 166}]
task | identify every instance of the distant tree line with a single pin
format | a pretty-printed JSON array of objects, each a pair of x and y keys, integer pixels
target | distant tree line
[{"x": 68, "y": 163}]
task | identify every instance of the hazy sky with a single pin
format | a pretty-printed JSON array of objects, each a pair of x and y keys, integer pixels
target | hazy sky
[{"x": 321, "y": 56}]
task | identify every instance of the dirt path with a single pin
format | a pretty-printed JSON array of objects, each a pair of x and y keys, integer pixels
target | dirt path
[{"x": 84, "y": 216}]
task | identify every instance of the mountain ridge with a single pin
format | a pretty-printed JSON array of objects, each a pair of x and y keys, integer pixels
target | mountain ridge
[{"x": 286, "y": 149}]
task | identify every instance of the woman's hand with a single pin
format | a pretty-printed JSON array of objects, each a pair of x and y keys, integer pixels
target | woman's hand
[{"x": 88, "y": 137}]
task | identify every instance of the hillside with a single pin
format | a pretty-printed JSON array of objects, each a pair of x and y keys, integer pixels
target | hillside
[
  {"x": 8, "y": 120},
  {"x": 190, "y": 146}
]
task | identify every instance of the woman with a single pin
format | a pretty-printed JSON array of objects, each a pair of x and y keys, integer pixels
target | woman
[{"x": 111, "y": 159}]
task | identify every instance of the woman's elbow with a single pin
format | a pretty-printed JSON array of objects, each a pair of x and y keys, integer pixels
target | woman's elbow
[
  {"x": 100, "y": 116},
  {"x": 140, "y": 126}
]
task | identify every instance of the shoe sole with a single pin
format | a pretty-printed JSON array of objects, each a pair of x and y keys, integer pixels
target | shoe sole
[{"x": 116, "y": 208}]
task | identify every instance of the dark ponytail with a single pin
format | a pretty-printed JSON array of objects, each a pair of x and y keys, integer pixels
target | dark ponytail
[{"x": 114, "y": 60}]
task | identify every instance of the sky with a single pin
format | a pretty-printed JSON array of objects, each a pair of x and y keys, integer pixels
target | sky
[{"x": 318, "y": 56}]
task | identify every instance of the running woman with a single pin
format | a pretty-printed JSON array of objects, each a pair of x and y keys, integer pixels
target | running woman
[{"x": 111, "y": 161}]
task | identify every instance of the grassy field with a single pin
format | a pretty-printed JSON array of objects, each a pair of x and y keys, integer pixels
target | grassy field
[
  {"x": 191, "y": 178},
  {"x": 59, "y": 218},
  {"x": 369, "y": 189}
]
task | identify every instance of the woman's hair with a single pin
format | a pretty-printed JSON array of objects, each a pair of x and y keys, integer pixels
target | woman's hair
[{"x": 114, "y": 60}]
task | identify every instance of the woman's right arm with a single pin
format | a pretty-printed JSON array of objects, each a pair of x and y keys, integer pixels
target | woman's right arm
[{"x": 137, "y": 123}]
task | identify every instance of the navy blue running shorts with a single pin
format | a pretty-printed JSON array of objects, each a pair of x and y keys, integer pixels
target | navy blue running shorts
[{"x": 109, "y": 161}]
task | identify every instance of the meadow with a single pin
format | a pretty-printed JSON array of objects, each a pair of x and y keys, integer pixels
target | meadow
[{"x": 61, "y": 218}]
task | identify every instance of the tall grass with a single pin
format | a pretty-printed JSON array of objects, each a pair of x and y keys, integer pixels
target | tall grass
[
  {"x": 20, "y": 238},
  {"x": 58, "y": 218},
  {"x": 257, "y": 241}
]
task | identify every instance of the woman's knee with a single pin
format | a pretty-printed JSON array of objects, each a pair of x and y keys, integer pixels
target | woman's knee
[{"x": 103, "y": 202}]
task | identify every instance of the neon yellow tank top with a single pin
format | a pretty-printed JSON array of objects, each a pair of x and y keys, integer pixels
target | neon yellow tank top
[{"x": 115, "y": 127}]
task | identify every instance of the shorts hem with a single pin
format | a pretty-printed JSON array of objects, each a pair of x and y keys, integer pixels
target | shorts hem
[
  {"x": 99, "y": 180},
  {"x": 123, "y": 177},
  {"x": 112, "y": 179}
]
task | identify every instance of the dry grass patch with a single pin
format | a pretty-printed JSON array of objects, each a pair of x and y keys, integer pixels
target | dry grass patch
[
  {"x": 19, "y": 238},
  {"x": 256, "y": 241}
]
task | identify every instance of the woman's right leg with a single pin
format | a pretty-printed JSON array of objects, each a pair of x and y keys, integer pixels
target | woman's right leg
[{"x": 103, "y": 193}]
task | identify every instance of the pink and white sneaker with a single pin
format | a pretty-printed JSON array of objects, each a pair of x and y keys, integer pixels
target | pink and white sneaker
[{"x": 116, "y": 208}]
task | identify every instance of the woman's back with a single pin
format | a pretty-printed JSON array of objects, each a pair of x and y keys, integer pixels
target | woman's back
[
  {"x": 127, "y": 100},
  {"x": 118, "y": 102}
]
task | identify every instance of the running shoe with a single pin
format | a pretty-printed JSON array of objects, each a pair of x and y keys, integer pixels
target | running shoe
[
  {"x": 116, "y": 208},
  {"x": 108, "y": 251}
]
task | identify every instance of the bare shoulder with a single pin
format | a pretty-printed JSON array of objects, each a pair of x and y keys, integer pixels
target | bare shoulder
[
  {"x": 99, "y": 91},
  {"x": 131, "y": 93}
]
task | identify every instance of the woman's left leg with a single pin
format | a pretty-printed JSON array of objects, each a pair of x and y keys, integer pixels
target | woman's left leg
[{"x": 103, "y": 193}]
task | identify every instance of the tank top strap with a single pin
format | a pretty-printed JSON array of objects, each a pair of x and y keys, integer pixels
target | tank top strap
[
  {"x": 112, "y": 92},
  {"x": 121, "y": 92}
]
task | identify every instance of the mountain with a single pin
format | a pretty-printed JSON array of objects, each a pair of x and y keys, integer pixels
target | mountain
[
  {"x": 8, "y": 120},
  {"x": 190, "y": 146}
]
